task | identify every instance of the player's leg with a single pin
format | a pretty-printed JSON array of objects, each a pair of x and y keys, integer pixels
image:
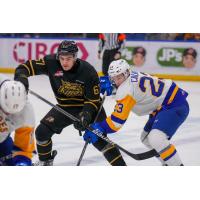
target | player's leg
[
  {"x": 167, "y": 151},
  {"x": 6, "y": 148},
  {"x": 110, "y": 152},
  {"x": 165, "y": 125},
  {"x": 146, "y": 130},
  {"x": 52, "y": 123},
  {"x": 144, "y": 136}
]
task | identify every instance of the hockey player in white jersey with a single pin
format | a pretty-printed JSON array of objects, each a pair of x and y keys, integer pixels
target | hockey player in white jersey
[
  {"x": 162, "y": 100},
  {"x": 16, "y": 114}
]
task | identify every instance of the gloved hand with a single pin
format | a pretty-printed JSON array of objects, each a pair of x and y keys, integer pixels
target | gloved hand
[
  {"x": 20, "y": 160},
  {"x": 24, "y": 81},
  {"x": 90, "y": 136},
  {"x": 105, "y": 85},
  {"x": 85, "y": 120}
]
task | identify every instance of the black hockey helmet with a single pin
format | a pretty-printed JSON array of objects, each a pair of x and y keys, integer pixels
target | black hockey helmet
[{"x": 67, "y": 47}]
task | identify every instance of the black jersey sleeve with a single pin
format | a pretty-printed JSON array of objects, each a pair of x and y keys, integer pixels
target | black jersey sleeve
[
  {"x": 92, "y": 95},
  {"x": 30, "y": 68}
]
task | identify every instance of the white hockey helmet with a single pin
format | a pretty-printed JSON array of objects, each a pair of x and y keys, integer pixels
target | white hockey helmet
[
  {"x": 13, "y": 96},
  {"x": 119, "y": 67}
]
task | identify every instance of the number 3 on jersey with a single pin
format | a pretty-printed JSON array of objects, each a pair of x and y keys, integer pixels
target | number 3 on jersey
[
  {"x": 119, "y": 108},
  {"x": 156, "y": 91}
]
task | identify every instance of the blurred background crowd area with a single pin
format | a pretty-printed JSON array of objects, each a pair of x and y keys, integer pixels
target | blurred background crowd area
[{"x": 129, "y": 36}]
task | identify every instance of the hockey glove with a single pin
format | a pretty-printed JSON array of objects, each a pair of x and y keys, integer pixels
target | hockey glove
[
  {"x": 90, "y": 136},
  {"x": 85, "y": 120},
  {"x": 106, "y": 85}
]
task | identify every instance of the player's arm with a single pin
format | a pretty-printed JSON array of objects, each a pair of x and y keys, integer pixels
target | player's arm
[
  {"x": 30, "y": 68},
  {"x": 114, "y": 122},
  {"x": 92, "y": 95},
  {"x": 91, "y": 103},
  {"x": 121, "y": 112}
]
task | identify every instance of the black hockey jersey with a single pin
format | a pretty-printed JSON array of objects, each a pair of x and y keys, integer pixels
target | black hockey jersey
[{"x": 78, "y": 87}]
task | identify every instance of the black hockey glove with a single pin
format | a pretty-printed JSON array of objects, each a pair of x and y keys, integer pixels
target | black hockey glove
[
  {"x": 85, "y": 120},
  {"x": 24, "y": 81}
]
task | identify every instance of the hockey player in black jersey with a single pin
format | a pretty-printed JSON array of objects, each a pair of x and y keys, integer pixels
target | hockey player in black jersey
[{"x": 75, "y": 84}]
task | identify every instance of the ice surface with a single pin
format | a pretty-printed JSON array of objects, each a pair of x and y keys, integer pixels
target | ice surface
[{"x": 69, "y": 144}]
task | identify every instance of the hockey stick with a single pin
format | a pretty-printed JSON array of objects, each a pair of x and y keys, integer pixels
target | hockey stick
[
  {"x": 87, "y": 142},
  {"x": 140, "y": 156}
]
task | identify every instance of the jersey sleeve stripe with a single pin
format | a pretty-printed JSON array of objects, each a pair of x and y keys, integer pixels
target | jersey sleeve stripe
[
  {"x": 96, "y": 100},
  {"x": 70, "y": 105},
  {"x": 31, "y": 64},
  {"x": 24, "y": 65},
  {"x": 118, "y": 120},
  {"x": 41, "y": 62},
  {"x": 106, "y": 127},
  {"x": 112, "y": 125},
  {"x": 70, "y": 99},
  {"x": 89, "y": 102}
]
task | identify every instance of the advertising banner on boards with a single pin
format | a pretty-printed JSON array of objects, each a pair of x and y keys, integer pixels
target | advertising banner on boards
[{"x": 154, "y": 57}]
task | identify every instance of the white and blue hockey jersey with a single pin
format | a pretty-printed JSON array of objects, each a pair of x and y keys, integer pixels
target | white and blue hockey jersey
[{"x": 142, "y": 94}]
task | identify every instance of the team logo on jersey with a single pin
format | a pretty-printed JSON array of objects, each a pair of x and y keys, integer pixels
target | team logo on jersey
[
  {"x": 134, "y": 76},
  {"x": 71, "y": 89},
  {"x": 58, "y": 73}
]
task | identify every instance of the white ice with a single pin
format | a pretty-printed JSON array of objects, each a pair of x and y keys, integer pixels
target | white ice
[{"x": 69, "y": 144}]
